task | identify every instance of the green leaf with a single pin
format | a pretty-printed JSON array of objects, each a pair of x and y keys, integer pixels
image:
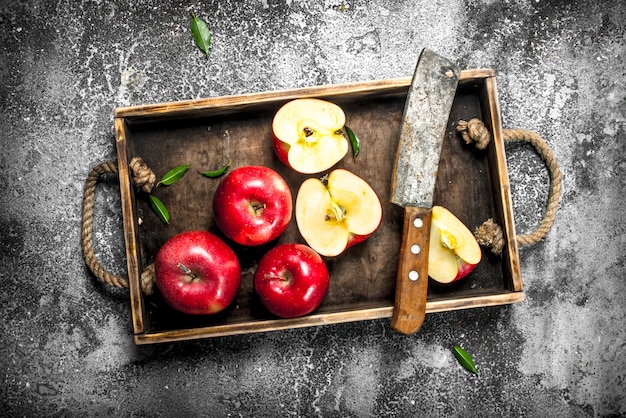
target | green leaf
[
  {"x": 216, "y": 173},
  {"x": 159, "y": 208},
  {"x": 201, "y": 34},
  {"x": 354, "y": 141},
  {"x": 173, "y": 175},
  {"x": 465, "y": 359}
]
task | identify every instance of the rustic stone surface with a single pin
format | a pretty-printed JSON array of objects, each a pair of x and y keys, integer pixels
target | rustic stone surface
[{"x": 65, "y": 340}]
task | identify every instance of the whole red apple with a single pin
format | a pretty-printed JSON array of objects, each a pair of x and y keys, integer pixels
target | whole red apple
[
  {"x": 197, "y": 273},
  {"x": 252, "y": 205},
  {"x": 291, "y": 280}
]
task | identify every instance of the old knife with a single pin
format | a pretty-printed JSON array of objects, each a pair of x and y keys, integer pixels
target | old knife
[{"x": 424, "y": 121}]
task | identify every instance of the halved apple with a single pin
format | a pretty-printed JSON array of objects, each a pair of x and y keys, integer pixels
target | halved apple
[
  {"x": 308, "y": 135},
  {"x": 337, "y": 212},
  {"x": 453, "y": 249}
]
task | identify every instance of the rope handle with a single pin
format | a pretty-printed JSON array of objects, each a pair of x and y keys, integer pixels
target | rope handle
[
  {"x": 489, "y": 233},
  {"x": 144, "y": 178}
]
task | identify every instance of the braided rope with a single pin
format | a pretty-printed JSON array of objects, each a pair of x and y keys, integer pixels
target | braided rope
[
  {"x": 487, "y": 234},
  {"x": 555, "y": 183},
  {"x": 145, "y": 181}
]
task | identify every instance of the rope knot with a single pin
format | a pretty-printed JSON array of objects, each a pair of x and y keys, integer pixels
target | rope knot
[
  {"x": 474, "y": 132},
  {"x": 143, "y": 176},
  {"x": 490, "y": 235}
]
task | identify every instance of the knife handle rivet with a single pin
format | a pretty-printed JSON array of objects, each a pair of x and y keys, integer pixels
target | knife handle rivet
[
  {"x": 415, "y": 249},
  {"x": 413, "y": 275},
  {"x": 418, "y": 223}
]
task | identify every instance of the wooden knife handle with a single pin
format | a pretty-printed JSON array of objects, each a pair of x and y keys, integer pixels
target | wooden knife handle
[{"x": 412, "y": 279}]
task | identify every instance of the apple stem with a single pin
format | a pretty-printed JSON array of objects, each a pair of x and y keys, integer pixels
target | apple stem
[
  {"x": 186, "y": 270},
  {"x": 285, "y": 278},
  {"x": 257, "y": 207}
]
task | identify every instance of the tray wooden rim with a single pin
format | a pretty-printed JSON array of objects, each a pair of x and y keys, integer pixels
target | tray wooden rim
[{"x": 191, "y": 107}]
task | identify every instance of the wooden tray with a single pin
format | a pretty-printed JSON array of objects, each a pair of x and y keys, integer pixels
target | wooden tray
[{"x": 206, "y": 133}]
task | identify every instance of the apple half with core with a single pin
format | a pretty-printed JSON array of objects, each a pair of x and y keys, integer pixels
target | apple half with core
[
  {"x": 197, "y": 273},
  {"x": 308, "y": 135},
  {"x": 337, "y": 212},
  {"x": 453, "y": 249},
  {"x": 291, "y": 280},
  {"x": 252, "y": 205}
]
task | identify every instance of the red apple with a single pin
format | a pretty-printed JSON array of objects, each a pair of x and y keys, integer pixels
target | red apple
[
  {"x": 338, "y": 212},
  {"x": 308, "y": 135},
  {"x": 252, "y": 205},
  {"x": 197, "y": 273},
  {"x": 291, "y": 280},
  {"x": 453, "y": 249}
]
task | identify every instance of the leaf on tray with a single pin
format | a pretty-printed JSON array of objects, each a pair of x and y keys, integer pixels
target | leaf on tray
[
  {"x": 159, "y": 208},
  {"x": 173, "y": 175},
  {"x": 354, "y": 141},
  {"x": 465, "y": 359},
  {"x": 201, "y": 34},
  {"x": 216, "y": 173}
]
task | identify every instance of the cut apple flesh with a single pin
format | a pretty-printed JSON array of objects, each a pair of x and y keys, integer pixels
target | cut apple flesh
[
  {"x": 452, "y": 247},
  {"x": 331, "y": 214},
  {"x": 310, "y": 133}
]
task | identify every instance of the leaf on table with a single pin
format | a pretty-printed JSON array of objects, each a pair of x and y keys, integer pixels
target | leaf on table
[
  {"x": 201, "y": 34},
  {"x": 217, "y": 173},
  {"x": 159, "y": 209},
  {"x": 465, "y": 359},
  {"x": 173, "y": 175}
]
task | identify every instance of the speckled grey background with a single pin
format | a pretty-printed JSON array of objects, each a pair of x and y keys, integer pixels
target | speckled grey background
[{"x": 65, "y": 340}]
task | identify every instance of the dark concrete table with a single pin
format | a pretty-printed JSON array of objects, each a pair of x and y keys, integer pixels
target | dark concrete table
[{"x": 65, "y": 339}]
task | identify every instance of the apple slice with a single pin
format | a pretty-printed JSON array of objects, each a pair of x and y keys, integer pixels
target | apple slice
[
  {"x": 453, "y": 249},
  {"x": 308, "y": 135},
  {"x": 338, "y": 212}
]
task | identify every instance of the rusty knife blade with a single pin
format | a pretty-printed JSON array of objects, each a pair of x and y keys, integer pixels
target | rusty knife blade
[{"x": 424, "y": 122}]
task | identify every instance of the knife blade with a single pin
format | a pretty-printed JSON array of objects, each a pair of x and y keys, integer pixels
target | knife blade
[{"x": 426, "y": 112}]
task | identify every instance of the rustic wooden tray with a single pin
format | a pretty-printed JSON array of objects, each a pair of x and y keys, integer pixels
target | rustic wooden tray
[{"x": 207, "y": 133}]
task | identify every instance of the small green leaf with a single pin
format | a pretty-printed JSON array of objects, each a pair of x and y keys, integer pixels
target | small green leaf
[
  {"x": 173, "y": 175},
  {"x": 465, "y": 359},
  {"x": 354, "y": 141},
  {"x": 201, "y": 34},
  {"x": 159, "y": 208},
  {"x": 216, "y": 173}
]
